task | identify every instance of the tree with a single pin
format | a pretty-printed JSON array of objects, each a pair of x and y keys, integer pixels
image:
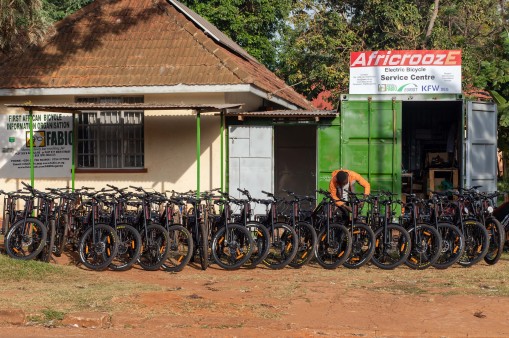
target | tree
[
  {"x": 58, "y": 9},
  {"x": 22, "y": 23},
  {"x": 255, "y": 25},
  {"x": 322, "y": 33}
]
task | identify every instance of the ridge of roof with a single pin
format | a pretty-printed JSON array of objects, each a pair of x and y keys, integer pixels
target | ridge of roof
[{"x": 211, "y": 30}]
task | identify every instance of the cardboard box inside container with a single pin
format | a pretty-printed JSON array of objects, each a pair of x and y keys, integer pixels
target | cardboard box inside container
[
  {"x": 433, "y": 158},
  {"x": 438, "y": 183}
]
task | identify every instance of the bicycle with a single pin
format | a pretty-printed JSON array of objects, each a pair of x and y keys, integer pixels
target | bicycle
[
  {"x": 26, "y": 238},
  {"x": 334, "y": 240},
  {"x": 392, "y": 241}
]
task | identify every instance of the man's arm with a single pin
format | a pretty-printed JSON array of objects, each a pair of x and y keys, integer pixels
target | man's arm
[
  {"x": 333, "y": 191},
  {"x": 357, "y": 177}
]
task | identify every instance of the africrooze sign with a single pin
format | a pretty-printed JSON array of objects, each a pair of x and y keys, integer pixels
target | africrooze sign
[{"x": 405, "y": 72}]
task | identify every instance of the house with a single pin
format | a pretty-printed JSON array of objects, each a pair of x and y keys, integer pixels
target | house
[{"x": 138, "y": 74}]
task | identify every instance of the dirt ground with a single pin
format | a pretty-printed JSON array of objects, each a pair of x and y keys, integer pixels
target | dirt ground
[{"x": 308, "y": 302}]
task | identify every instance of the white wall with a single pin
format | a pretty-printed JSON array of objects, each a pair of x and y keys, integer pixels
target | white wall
[{"x": 170, "y": 145}]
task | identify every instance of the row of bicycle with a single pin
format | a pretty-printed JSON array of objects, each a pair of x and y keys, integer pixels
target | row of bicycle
[{"x": 118, "y": 227}]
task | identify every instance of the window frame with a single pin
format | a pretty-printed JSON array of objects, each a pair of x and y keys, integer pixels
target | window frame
[{"x": 100, "y": 148}]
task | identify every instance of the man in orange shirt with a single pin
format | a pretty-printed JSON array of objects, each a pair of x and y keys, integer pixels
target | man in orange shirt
[{"x": 341, "y": 182}]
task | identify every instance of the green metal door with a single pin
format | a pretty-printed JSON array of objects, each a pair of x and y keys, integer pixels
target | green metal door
[
  {"x": 371, "y": 141},
  {"x": 328, "y": 151}
]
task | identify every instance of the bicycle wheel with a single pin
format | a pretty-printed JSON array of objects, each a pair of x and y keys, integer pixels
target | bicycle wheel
[
  {"x": 98, "y": 247},
  {"x": 46, "y": 252},
  {"x": 61, "y": 233},
  {"x": 25, "y": 239},
  {"x": 476, "y": 243},
  {"x": 306, "y": 243},
  {"x": 496, "y": 234},
  {"x": 129, "y": 248},
  {"x": 282, "y": 247},
  {"x": 363, "y": 246},
  {"x": 155, "y": 247},
  {"x": 453, "y": 245},
  {"x": 426, "y": 246},
  {"x": 232, "y": 246},
  {"x": 334, "y": 246},
  {"x": 261, "y": 240},
  {"x": 181, "y": 248},
  {"x": 203, "y": 246},
  {"x": 392, "y": 246}
]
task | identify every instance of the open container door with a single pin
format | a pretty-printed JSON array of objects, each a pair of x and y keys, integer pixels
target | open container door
[
  {"x": 480, "y": 165},
  {"x": 371, "y": 141},
  {"x": 328, "y": 152},
  {"x": 251, "y": 164}
]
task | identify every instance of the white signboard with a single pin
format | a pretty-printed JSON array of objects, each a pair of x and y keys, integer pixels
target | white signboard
[
  {"x": 405, "y": 72},
  {"x": 53, "y": 138}
]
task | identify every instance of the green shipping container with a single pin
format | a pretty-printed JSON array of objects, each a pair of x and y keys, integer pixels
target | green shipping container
[
  {"x": 366, "y": 138},
  {"x": 378, "y": 136}
]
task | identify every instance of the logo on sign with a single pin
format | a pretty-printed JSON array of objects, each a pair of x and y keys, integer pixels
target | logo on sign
[
  {"x": 408, "y": 88},
  {"x": 387, "y": 88},
  {"x": 39, "y": 139}
]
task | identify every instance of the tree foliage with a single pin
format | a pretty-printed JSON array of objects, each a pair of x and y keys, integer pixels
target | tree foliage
[
  {"x": 58, "y": 9},
  {"x": 25, "y": 22},
  {"x": 22, "y": 23},
  {"x": 255, "y": 25},
  {"x": 322, "y": 33}
]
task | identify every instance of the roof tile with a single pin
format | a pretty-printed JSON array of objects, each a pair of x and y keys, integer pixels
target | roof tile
[{"x": 138, "y": 42}]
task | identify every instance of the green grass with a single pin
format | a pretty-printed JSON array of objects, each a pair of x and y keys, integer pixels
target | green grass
[{"x": 47, "y": 291}]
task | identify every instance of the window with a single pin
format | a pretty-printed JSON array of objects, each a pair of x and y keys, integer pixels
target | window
[{"x": 111, "y": 139}]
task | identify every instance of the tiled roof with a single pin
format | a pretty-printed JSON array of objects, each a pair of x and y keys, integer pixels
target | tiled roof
[{"x": 129, "y": 43}]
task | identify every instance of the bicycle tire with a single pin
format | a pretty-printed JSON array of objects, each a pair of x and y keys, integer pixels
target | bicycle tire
[
  {"x": 426, "y": 247},
  {"x": 306, "y": 243},
  {"x": 61, "y": 233},
  {"x": 363, "y": 246},
  {"x": 129, "y": 247},
  {"x": 155, "y": 247},
  {"x": 391, "y": 253},
  {"x": 46, "y": 252},
  {"x": 98, "y": 247},
  {"x": 334, "y": 246},
  {"x": 496, "y": 234},
  {"x": 25, "y": 244},
  {"x": 181, "y": 246},
  {"x": 232, "y": 246},
  {"x": 261, "y": 240},
  {"x": 453, "y": 245},
  {"x": 282, "y": 247},
  {"x": 203, "y": 246},
  {"x": 476, "y": 243}
]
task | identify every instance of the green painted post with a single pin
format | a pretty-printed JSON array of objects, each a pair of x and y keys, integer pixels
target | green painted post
[
  {"x": 31, "y": 123},
  {"x": 198, "y": 143},
  {"x": 222, "y": 150},
  {"x": 73, "y": 152},
  {"x": 369, "y": 139},
  {"x": 227, "y": 156}
]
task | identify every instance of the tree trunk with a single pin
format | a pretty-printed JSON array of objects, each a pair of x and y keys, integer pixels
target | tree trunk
[{"x": 431, "y": 24}]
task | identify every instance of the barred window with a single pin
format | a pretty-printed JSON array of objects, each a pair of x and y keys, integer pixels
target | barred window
[{"x": 111, "y": 139}]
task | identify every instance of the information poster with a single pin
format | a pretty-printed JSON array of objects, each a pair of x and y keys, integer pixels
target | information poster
[
  {"x": 53, "y": 137},
  {"x": 406, "y": 72}
]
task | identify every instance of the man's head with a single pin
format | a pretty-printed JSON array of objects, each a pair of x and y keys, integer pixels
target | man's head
[{"x": 341, "y": 178}]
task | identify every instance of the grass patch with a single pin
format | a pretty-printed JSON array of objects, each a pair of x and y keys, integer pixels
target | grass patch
[
  {"x": 48, "y": 291},
  {"x": 12, "y": 270}
]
